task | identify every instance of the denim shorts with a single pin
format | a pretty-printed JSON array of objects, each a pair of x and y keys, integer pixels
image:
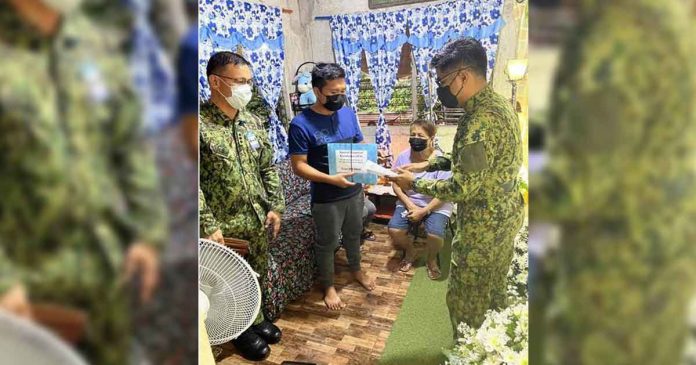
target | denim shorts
[{"x": 435, "y": 223}]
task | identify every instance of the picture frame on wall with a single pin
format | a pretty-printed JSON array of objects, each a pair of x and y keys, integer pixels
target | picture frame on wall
[{"x": 378, "y": 4}]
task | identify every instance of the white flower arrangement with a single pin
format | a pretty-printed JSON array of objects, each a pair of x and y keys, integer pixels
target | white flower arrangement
[
  {"x": 690, "y": 348},
  {"x": 517, "y": 276},
  {"x": 503, "y": 338}
]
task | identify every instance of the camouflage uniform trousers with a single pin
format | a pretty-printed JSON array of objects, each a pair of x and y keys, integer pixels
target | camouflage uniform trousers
[
  {"x": 258, "y": 249},
  {"x": 82, "y": 279},
  {"x": 482, "y": 251}
]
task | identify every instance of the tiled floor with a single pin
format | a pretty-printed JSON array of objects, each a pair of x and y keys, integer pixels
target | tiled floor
[{"x": 357, "y": 334}]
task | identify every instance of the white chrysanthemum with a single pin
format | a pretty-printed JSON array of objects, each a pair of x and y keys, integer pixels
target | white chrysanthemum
[{"x": 509, "y": 356}]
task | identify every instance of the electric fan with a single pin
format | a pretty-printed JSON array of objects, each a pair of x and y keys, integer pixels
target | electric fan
[
  {"x": 230, "y": 290},
  {"x": 23, "y": 342}
]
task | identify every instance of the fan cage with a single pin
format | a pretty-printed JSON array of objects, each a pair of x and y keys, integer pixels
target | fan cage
[
  {"x": 232, "y": 288},
  {"x": 24, "y": 342}
]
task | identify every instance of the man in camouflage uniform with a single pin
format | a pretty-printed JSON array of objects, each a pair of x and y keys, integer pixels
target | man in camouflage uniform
[
  {"x": 485, "y": 161},
  {"x": 240, "y": 192},
  {"x": 77, "y": 184},
  {"x": 620, "y": 183}
]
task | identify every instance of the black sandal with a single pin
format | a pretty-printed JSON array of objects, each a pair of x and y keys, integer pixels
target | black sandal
[{"x": 368, "y": 236}]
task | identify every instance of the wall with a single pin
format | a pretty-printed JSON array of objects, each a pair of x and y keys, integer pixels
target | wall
[{"x": 508, "y": 45}]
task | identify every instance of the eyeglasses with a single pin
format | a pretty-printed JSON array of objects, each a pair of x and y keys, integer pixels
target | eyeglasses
[
  {"x": 237, "y": 81},
  {"x": 440, "y": 80}
]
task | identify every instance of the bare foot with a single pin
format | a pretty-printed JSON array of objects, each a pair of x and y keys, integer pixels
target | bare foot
[
  {"x": 332, "y": 300},
  {"x": 367, "y": 282},
  {"x": 433, "y": 270}
]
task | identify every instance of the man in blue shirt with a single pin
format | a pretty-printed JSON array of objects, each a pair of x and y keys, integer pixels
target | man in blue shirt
[{"x": 337, "y": 203}]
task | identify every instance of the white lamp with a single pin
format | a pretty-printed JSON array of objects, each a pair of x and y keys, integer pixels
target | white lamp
[{"x": 516, "y": 70}]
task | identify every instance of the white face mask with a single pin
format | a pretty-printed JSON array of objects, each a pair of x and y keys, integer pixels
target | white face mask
[
  {"x": 240, "y": 95},
  {"x": 63, "y": 6}
]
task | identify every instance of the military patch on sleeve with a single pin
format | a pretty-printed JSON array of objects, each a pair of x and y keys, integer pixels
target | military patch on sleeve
[
  {"x": 472, "y": 157},
  {"x": 251, "y": 137}
]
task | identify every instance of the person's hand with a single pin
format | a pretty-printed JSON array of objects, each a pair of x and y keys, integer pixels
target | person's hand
[
  {"x": 16, "y": 301},
  {"x": 416, "y": 166},
  {"x": 404, "y": 180},
  {"x": 217, "y": 237},
  {"x": 417, "y": 215},
  {"x": 411, "y": 207},
  {"x": 142, "y": 258},
  {"x": 341, "y": 179},
  {"x": 273, "y": 220}
]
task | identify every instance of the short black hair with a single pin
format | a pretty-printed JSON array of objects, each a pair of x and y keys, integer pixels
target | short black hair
[
  {"x": 221, "y": 59},
  {"x": 464, "y": 52},
  {"x": 323, "y": 72}
]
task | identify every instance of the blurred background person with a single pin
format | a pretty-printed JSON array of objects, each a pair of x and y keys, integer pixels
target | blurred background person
[
  {"x": 164, "y": 57},
  {"x": 187, "y": 83},
  {"x": 81, "y": 212},
  {"x": 620, "y": 184},
  {"x": 153, "y": 35},
  {"x": 142, "y": 37}
]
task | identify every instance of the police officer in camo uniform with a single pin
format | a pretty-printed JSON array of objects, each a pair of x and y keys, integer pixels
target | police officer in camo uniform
[
  {"x": 240, "y": 192},
  {"x": 79, "y": 190},
  {"x": 621, "y": 184},
  {"x": 485, "y": 161}
]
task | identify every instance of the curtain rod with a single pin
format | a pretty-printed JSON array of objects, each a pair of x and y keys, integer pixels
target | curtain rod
[{"x": 323, "y": 17}]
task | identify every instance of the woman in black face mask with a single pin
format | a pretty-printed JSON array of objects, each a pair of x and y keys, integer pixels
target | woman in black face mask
[
  {"x": 417, "y": 216},
  {"x": 421, "y": 142}
]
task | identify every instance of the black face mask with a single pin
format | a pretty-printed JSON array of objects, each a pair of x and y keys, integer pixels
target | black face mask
[
  {"x": 334, "y": 102},
  {"x": 446, "y": 97},
  {"x": 418, "y": 144}
]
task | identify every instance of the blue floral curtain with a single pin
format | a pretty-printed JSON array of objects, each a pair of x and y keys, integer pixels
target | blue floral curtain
[
  {"x": 429, "y": 29},
  {"x": 387, "y": 35},
  {"x": 432, "y": 27},
  {"x": 381, "y": 36},
  {"x": 422, "y": 23},
  {"x": 258, "y": 29},
  {"x": 349, "y": 58},
  {"x": 153, "y": 73}
]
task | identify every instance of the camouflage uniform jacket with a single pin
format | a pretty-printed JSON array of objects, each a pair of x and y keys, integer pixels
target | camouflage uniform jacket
[
  {"x": 621, "y": 184},
  {"x": 77, "y": 181},
  {"x": 238, "y": 181},
  {"x": 485, "y": 160}
]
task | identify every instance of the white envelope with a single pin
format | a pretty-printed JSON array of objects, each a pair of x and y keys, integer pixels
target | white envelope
[{"x": 374, "y": 168}]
